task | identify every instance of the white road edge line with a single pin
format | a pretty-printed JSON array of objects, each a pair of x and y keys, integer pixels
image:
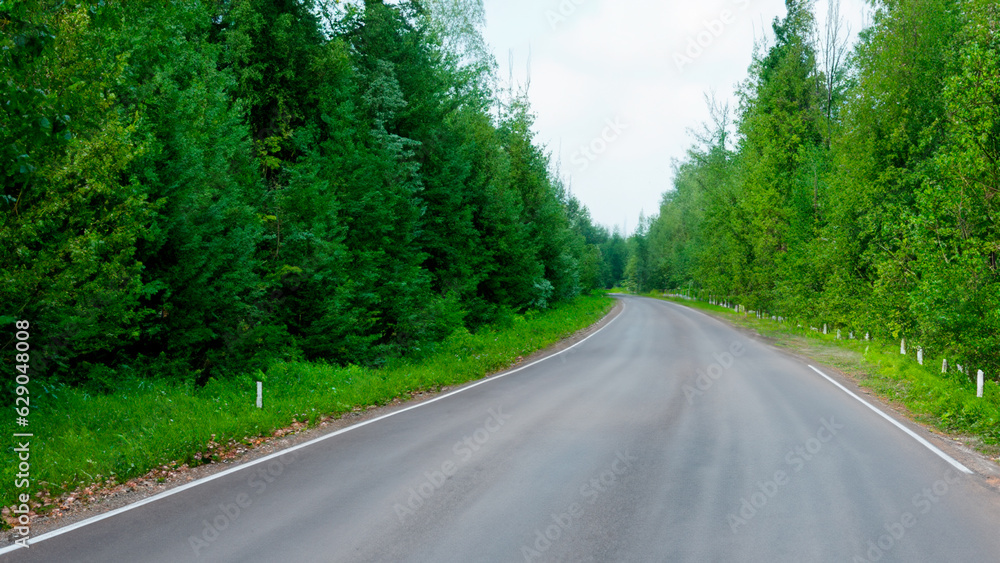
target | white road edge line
[
  {"x": 895, "y": 422},
  {"x": 202, "y": 481},
  {"x": 955, "y": 463}
]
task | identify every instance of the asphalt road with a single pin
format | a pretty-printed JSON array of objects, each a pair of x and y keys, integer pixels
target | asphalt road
[{"x": 615, "y": 450}]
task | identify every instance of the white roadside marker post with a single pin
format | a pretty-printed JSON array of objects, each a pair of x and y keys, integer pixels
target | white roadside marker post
[
  {"x": 920, "y": 356},
  {"x": 260, "y": 394},
  {"x": 979, "y": 384},
  {"x": 944, "y": 366},
  {"x": 902, "y": 346}
]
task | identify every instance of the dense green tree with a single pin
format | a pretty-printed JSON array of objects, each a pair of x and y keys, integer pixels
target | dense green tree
[
  {"x": 640, "y": 271},
  {"x": 777, "y": 161},
  {"x": 892, "y": 126},
  {"x": 862, "y": 196},
  {"x": 586, "y": 246},
  {"x": 542, "y": 208},
  {"x": 614, "y": 258},
  {"x": 199, "y": 189},
  {"x": 199, "y": 264},
  {"x": 72, "y": 215},
  {"x": 956, "y": 296}
]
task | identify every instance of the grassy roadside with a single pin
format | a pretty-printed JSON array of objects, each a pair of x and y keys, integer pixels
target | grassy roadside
[
  {"x": 946, "y": 402},
  {"x": 83, "y": 439}
]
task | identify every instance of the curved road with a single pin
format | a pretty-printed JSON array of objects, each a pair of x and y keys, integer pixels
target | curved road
[{"x": 665, "y": 436}]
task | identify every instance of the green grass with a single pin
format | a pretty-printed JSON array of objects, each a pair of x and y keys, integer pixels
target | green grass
[
  {"x": 82, "y": 439},
  {"x": 946, "y": 402}
]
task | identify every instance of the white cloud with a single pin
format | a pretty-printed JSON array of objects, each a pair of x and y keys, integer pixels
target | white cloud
[{"x": 608, "y": 59}]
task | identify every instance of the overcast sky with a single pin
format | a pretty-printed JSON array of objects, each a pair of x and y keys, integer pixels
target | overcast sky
[{"x": 623, "y": 78}]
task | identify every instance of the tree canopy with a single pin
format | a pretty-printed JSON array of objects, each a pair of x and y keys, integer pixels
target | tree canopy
[
  {"x": 197, "y": 189},
  {"x": 861, "y": 194}
]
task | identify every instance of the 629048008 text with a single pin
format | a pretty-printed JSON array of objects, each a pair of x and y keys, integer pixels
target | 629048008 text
[{"x": 22, "y": 408}]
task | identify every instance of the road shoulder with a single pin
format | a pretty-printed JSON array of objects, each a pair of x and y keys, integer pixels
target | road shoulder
[
  {"x": 848, "y": 369},
  {"x": 163, "y": 480}
]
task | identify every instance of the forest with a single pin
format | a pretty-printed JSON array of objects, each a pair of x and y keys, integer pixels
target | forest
[
  {"x": 195, "y": 189},
  {"x": 852, "y": 185}
]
